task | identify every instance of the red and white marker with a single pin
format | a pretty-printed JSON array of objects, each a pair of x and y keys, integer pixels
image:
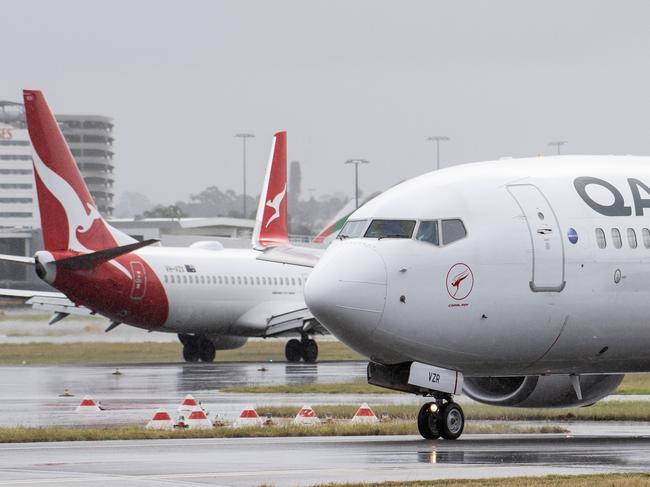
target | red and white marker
[
  {"x": 365, "y": 415},
  {"x": 88, "y": 405},
  {"x": 190, "y": 404},
  {"x": 161, "y": 420},
  {"x": 306, "y": 415},
  {"x": 198, "y": 420},
  {"x": 248, "y": 417}
]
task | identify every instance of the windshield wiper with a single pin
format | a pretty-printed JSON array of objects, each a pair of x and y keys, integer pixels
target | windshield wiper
[{"x": 393, "y": 235}]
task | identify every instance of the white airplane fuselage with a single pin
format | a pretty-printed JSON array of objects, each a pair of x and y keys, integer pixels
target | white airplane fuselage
[
  {"x": 526, "y": 291},
  {"x": 211, "y": 291}
]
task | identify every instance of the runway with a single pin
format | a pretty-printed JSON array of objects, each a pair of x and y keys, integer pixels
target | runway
[{"x": 307, "y": 461}]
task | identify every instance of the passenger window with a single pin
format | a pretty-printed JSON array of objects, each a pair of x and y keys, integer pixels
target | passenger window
[
  {"x": 263, "y": 281},
  {"x": 172, "y": 279},
  {"x": 646, "y": 238},
  {"x": 631, "y": 238},
  {"x": 239, "y": 280},
  {"x": 352, "y": 229},
  {"x": 184, "y": 279},
  {"x": 202, "y": 279},
  {"x": 257, "y": 281},
  {"x": 600, "y": 238},
  {"x": 245, "y": 280},
  {"x": 390, "y": 229},
  {"x": 299, "y": 282},
  {"x": 428, "y": 232},
  {"x": 452, "y": 230},
  {"x": 616, "y": 238},
  {"x": 293, "y": 281},
  {"x": 166, "y": 279},
  {"x": 220, "y": 281},
  {"x": 275, "y": 281}
]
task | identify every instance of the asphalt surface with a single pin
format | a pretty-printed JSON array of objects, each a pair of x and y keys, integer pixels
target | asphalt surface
[
  {"x": 307, "y": 461},
  {"x": 30, "y": 396}
]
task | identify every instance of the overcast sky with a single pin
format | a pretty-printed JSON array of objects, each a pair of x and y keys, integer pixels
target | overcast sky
[{"x": 345, "y": 78}]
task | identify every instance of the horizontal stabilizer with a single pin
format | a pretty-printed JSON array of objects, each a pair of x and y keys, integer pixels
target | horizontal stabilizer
[
  {"x": 89, "y": 261},
  {"x": 300, "y": 256},
  {"x": 18, "y": 259}
]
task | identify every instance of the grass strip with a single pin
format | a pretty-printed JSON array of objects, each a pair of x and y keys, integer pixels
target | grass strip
[
  {"x": 602, "y": 480},
  {"x": 602, "y": 411},
  {"x": 61, "y": 433},
  {"x": 152, "y": 352}
]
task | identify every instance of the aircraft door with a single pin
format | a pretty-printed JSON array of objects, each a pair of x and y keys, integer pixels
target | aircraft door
[
  {"x": 547, "y": 245},
  {"x": 139, "y": 280}
]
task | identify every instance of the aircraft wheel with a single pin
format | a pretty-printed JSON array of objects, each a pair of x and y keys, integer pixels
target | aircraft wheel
[
  {"x": 451, "y": 421},
  {"x": 309, "y": 351},
  {"x": 191, "y": 351},
  {"x": 428, "y": 421},
  {"x": 207, "y": 350},
  {"x": 293, "y": 350}
]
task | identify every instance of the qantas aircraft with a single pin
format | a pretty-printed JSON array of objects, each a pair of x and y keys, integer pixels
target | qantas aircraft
[
  {"x": 214, "y": 299},
  {"x": 521, "y": 282}
]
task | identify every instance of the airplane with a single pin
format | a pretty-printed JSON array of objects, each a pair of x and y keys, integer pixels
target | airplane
[
  {"x": 519, "y": 282},
  {"x": 213, "y": 298}
]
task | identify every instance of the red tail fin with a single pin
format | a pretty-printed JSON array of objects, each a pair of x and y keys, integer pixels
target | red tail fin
[
  {"x": 271, "y": 225},
  {"x": 69, "y": 216}
]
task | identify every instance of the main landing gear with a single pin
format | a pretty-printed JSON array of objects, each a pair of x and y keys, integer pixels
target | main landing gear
[
  {"x": 197, "y": 347},
  {"x": 305, "y": 349},
  {"x": 442, "y": 418}
]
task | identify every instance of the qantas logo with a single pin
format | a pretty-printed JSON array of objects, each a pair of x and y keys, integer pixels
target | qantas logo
[
  {"x": 617, "y": 207},
  {"x": 275, "y": 204},
  {"x": 460, "y": 281},
  {"x": 80, "y": 218}
]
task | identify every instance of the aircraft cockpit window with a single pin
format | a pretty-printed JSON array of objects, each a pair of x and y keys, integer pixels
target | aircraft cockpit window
[
  {"x": 390, "y": 229},
  {"x": 452, "y": 230},
  {"x": 428, "y": 232},
  {"x": 352, "y": 229}
]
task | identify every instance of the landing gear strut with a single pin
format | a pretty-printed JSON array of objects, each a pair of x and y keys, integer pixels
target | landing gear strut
[
  {"x": 443, "y": 418},
  {"x": 197, "y": 347},
  {"x": 305, "y": 349}
]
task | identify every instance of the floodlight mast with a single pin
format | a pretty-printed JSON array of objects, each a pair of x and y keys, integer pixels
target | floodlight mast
[{"x": 244, "y": 137}]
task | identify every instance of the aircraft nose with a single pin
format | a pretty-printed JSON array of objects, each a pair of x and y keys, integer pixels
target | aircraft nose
[{"x": 346, "y": 292}]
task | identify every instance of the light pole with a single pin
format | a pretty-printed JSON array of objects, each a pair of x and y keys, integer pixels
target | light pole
[
  {"x": 437, "y": 139},
  {"x": 559, "y": 144},
  {"x": 243, "y": 137},
  {"x": 356, "y": 163}
]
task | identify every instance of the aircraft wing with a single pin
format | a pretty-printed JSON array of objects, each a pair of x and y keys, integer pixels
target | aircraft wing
[
  {"x": 47, "y": 301},
  {"x": 274, "y": 319},
  {"x": 300, "y": 256}
]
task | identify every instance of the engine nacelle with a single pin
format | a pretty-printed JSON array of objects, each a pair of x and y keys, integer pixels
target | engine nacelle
[
  {"x": 227, "y": 342},
  {"x": 548, "y": 391}
]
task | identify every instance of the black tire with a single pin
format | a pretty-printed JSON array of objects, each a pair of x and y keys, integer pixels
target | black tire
[
  {"x": 190, "y": 352},
  {"x": 207, "y": 350},
  {"x": 428, "y": 422},
  {"x": 293, "y": 350},
  {"x": 451, "y": 421},
  {"x": 309, "y": 351}
]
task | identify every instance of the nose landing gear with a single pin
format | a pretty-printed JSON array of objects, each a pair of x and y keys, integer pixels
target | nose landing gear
[{"x": 442, "y": 418}]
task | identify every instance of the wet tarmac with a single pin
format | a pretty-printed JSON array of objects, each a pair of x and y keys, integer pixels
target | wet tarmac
[
  {"x": 31, "y": 395},
  {"x": 307, "y": 461}
]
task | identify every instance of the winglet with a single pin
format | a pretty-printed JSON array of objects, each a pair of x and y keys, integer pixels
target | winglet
[{"x": 271, "y": 222}]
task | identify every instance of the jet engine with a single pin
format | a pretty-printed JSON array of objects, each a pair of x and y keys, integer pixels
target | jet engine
[
  {"x": 228, "y": 342},
  {"x": 548, "y": 391}
]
